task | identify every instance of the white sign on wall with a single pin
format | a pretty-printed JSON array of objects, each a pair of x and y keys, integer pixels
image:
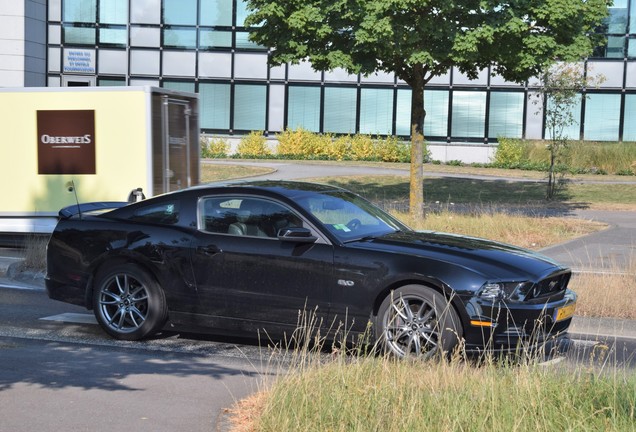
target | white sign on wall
[{"x": 79, "y": 61}]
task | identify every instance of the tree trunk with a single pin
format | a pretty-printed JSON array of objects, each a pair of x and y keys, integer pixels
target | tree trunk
[{"x": 416, "y": 193}]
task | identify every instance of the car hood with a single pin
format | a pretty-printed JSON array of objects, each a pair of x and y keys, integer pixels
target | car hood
[{"x": 488, "y": 258}]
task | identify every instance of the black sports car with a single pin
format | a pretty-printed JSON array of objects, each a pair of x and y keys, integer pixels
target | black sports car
[{"x": 240, "y": 257}]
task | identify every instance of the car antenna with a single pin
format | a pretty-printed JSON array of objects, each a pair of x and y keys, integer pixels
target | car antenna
[{"x": 71, "y": 188}]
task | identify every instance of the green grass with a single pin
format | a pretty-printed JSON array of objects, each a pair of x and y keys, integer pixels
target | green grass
[
  {"x": 603, "y": 157},
  {"x": 381, "y": 394},
  {"x": 216, "y": 172},
  {"x": 478, "y": 192}
]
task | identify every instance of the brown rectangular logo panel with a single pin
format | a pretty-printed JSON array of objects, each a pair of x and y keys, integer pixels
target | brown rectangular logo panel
[{"x": 66, "y": 142}]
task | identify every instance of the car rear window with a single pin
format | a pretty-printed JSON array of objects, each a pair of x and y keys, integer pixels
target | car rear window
[{"x": 164, "y": 213}]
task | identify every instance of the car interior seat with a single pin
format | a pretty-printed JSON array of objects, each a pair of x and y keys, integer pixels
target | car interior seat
[{"x": 249, "y": 218}]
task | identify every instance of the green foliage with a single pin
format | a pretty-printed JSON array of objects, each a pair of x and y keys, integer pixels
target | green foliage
[
  {"x": 362, "y": 148},
  {"x": 253, "y": 145},
  {"x": 561, "y": 88},
  {"x": 302, "y": 144},
  {"x": 579, "y": 157},
  {"x": 509, "y": 153},
  {"x": 391, "y": 149},
  {"x": 421, "y": 39},
  {"x": 214, "y": 147},
  {"x": 296, "y": 142}
]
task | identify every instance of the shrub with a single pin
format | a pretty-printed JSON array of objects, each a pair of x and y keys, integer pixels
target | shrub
[
  {"x": 626, "y": 172},
  {"x": 509, "y": 153},
  {"x": 298, "y": 142},
  {"x": 339, "y": 148},
  {"x": 363, "y": 148},
  {"x": 391, "y": 149},
  {"x": 253, "y": 145},
  {"x": 214, "y": 147}
]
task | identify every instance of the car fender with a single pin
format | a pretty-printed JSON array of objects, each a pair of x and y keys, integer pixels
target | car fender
[{"x": 426, "y": 281}]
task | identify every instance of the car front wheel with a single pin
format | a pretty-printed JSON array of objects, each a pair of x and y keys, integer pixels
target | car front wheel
[
  {"x": 128, "y": 303},
  {"x": 418, "y": 321}
]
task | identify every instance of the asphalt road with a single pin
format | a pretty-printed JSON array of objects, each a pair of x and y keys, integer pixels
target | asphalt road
[{"x": 59, "y": 371}]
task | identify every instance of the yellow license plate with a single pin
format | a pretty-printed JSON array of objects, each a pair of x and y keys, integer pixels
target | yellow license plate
[{"x": 565, "y": 312}]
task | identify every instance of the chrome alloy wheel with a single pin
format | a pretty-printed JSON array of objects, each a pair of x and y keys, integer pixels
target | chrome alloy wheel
[
  {"x": 418, "y": 321},
  {"x": 411, "y": 327},
  {"x": 123, "y": 303}
]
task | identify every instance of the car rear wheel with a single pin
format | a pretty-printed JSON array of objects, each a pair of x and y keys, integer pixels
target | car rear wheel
[
  {"x": 128, "y": 303},
  {"x": 418, "y": 321}
]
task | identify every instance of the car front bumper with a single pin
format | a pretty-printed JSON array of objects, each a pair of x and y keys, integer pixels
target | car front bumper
[{"x": 510, "y": 327}]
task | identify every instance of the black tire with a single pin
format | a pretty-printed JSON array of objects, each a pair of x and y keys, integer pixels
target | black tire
[
  {"x": 417, "y": 321},
  {"x": 128, "y": 303}
]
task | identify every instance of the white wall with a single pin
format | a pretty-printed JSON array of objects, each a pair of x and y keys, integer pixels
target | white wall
[{"x": 22, "y": 43}]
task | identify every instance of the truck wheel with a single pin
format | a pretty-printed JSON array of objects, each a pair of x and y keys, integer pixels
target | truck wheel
[
  {"x": 128, "y": 303},
  {"x": 418, "y": 321}
]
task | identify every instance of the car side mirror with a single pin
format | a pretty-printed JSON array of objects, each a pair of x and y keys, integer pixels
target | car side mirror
[{"x": 296, "y": 235}]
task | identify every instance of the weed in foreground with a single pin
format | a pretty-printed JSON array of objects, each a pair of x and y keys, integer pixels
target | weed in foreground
[{"x": 343, "y": 385}]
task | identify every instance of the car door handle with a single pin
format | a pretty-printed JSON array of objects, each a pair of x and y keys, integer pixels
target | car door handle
[{"x": 208, "y": 250}]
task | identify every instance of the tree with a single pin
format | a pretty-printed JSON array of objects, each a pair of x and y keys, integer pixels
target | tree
[
  {"x": 420, "y": 39},
  {"x": 561, "y": 88}
]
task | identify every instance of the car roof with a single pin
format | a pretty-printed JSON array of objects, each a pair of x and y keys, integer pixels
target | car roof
[{"x": 286, "y": 188}]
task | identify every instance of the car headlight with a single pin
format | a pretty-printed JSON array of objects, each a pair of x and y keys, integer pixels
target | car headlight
[{"x": 501, "y": 290}]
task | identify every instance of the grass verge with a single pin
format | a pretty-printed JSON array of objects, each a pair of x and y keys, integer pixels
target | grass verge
[
  {"x": 528, "y": 232},
  {"x": 381, "y": 394},
  {"x": 491, "y": 193},
  {"x": 618, "y": 298},
  {"x": 217, "y": 172}
]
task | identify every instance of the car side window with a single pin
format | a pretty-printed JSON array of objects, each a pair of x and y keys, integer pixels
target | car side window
[
  {"x": 242, "y": 216},
  {"x": 164, "y": 213}
]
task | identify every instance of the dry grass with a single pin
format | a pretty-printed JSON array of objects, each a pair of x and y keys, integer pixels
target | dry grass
[
  {"x": 35, "y": 251},
  {"x": 381, "y": 394},
  {"x": 611, "y": 294},
  {"x": 527, "y": 232},
  {"x": 244, "y": 415},
  {"x": 211, "y": 172}
]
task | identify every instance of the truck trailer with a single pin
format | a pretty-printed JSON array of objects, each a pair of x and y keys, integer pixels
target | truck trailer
[{"x": 66, "y": 145}]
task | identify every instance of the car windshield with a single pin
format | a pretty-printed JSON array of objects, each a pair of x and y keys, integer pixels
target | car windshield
[{"x": 348, "y": 216}]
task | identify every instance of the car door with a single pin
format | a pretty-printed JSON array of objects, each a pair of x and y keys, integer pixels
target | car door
[{"x": 245, "y": 273}]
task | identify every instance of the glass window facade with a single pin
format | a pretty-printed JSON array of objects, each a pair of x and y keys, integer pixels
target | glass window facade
[
  {"x": 180, "y": 12},
  {"x": 216, "y": 13},
  {"x": 436, "y": 120},
  {"x": 629, "y": 133},
  {"x": 572, "y": 131},
  {"x": 469, "y": 114},
  {"x": 339, "y": 109},
  {"x": 214, "y": 104},
  {"x": 304, "y": 108},
  {"x": 602, "y": 117},
  {"x": 202, "y": 46},
  {"x": 376, "y": 111},
  {"x": 506, "y": 115},
  {"x": 79, "y": 11},
  {"x": 249, "y": 107},
  {"x": 113, "y": 12}
]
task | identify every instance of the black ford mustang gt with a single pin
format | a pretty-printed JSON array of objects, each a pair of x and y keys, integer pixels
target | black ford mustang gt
[{"x": 240, "y": 257}]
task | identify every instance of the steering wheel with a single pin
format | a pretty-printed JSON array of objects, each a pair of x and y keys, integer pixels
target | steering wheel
[{"x": 354, "y": 224}]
